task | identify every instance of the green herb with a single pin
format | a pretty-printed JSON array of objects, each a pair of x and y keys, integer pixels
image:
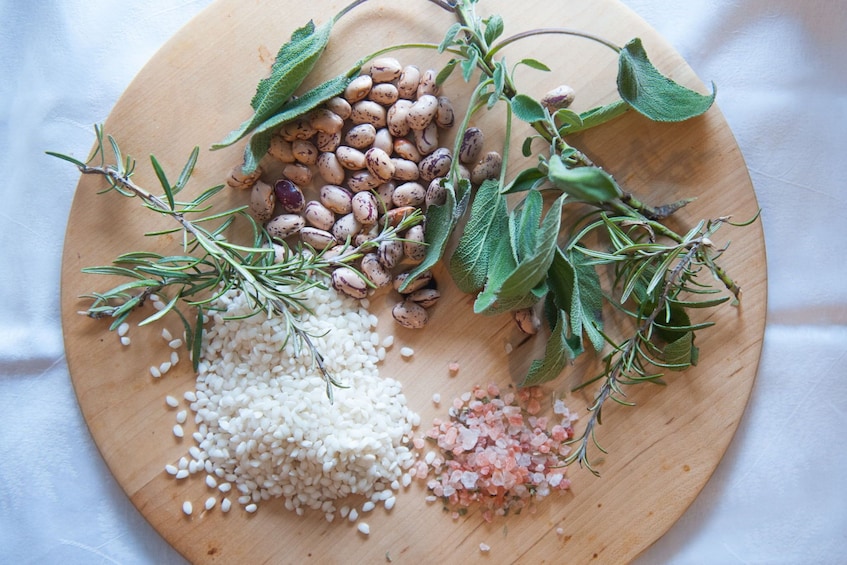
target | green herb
[{"x": 271, "y": 275}]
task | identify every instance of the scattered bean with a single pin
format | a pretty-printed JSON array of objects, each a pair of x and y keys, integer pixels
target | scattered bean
[
  {"x": 407, "y": 84},
  {"x": 436, "y": 164},
  {"x": 397, "y": 118},
  {"x": 558, "y": 98},
  {"x": 426, "y": 139},
  {"x": 405, "y": 170},
  {"x": 444, "y": 115},
  {"x": 317, "y": 238},
  {"x": 345, "y": 227},
  {"x": 346, "y": 280},
  {"x": 414, "y": 247},
  {"x": 384, "y": 140},
  {"x": 436, "y": 194},
  {"x": 330, "y": 168},
  {"x": 422, "y": 112},
  {"x": 409, "y": 194},
  {"x": 304, "y": 151},
  {"x": 289, "y": 196},
  {"x": 336, "y": 198},
  {"x": 527, "y": 320},
  {"x": 324, "y": 120},
  {"x": 385, "y": 94},
  {"x": 368, "y": 112},
  {"x": 379, "y": 164},
  {"x": 428, "y": 84},
  {"x": 405, "y": 149},
  {"x": 237, "y": 178},
  {"x": 298, "y": 173},
  {"x": 410, "y": 314},
  {"x": 365, "y": 208},
  {"x": 421, "y": 281},
  {"x": 471, "y": 146},
  {"x": 281, "y": 149},
  {"x": 426, "y": 297},
  {"x": 487, "y": 168},
  {"x": 350, "y": 158},
  {"x": 373, "y": 269},
  {"x": 262, "y": 201},
  {"x": 357, "y": 89},
  {"x": 318, "y": 216},
  {"x": 339, "y": 106},
  {"x": 390, "y": 253},
  {"x": 363, "y": 180},
  {"x": 328, "y": 142},
  {"x": 285, "y": 225},
  {"x": 385, "y": 69}
]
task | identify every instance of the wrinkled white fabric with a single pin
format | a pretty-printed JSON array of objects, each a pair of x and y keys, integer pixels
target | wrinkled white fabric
[{"x": 779, "y": 495}]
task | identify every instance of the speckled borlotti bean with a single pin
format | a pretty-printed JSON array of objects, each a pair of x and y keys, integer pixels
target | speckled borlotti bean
[
  {"x": 383, "y": 196},
  {"x": 384, "y": 140},
  {"x": 436, "y": 194},
  {"x": 330, "y": 168},
  {"x": 345, "y": 227},
  {"x": 426, "y": 140},
  {"x": 405, "y": 170},
  {"x": 285, "y": 225},
  {"x": 304, "y": 151},
  {"x": 238, "y": 180},
  {"x": 318, "y": 216},
  {"x": 327, "y": 142},
  {"x": 426, "y": 297},
  {"x": 413, "y": 245},
  {"x": 339, "y": 106},
  {"x": 410, "y": 314},
  {"x": 407, "y": 84},
  {"x": 360, "y": 136},
  {"x": 390, "y": 252},
  {"x": 317, "y": 238},
  {"x": 281, "y": 149},
  {"x": 558, "y": 98},
  {"x": 374, "y": 271},
  {"x": 487, "y": 168},
  {"x": 336, "y": 198},
  {"x": 471, "y": 147},
  {"x": 436, "y": 164},
  {"x": 405, "y": 149},
  {"x": 396, "y": 118},
  {"x": 357, "y": 89},
  {"x": 422, "y": 112},
  {"x": 385, "y": 69},
  {"x": 423, "y": 280},
  {"x": 262, "y": 201},
  {"x": 365, "y": 208},
  {"x": 363, "y": 180},
  {"x": 527, "y": 321},
  {"x": 379, "y": 164},
  {"x": 297, "y": 173},
  {"x": 347, "y": 281},
  {"x": 325, "y": 120},
  {"x": 384, "y": 94},
  {"x": 300, "y": 128},
  {"x": 444, "y": 115},
  {"x": 428, "y": 84},
  {"x": 350, "y": 158},
  {"x": 409, "y": 194},
  {"x": 368, "y": 112}
]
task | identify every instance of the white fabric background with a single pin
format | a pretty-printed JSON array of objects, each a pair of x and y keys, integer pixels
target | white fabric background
[{"x": 780, "y": 494}]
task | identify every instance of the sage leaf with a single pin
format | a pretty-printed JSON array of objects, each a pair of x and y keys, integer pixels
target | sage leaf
[
  {"x": 680, "y": 353},
  {"x": 653, "y": 94},
  {"x": 589, "y": 184},
  {"x": 523, "y": 225},
  {"x": 486, "y": 226},
  {"x": 534, "y": 64},
  {"x": 528, "y": 179},
  {"x": 523, "y": 283},
  {"x": 294, "y": 61},
  {"x": 575, "y": 288},
  {"x": 449, "y": 37},
  {"x": 527, "y": 108},
  {"x": 559, "y": 351},
  {"x": 260, "y": 141},
  {"x": 493, "y": 28}
]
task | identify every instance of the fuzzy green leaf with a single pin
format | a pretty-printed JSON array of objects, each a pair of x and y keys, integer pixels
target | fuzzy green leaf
[
  {"x": 576, "y": 289},
  {"x": 560, "y": 350},
  {"x": 527, "y": 108},
  {"x": 486, "y": 225},
  {"x": 523, "y": 224},
  {"x": 653, "y": 94},
  {"x": 493, "y": 28},
  {"x": 294, "y": 61},
  {"x": 681, "y": 353},
  {"x": 527, "y": 179},
  {"x": 589, "y": 184},
  {"x": 534, "y": 64}
]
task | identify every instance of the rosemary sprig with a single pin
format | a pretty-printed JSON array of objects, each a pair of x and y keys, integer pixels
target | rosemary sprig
[{"x": 271, "y": 274}]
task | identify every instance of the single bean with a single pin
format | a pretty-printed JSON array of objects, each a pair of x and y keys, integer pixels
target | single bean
[
  {"x": 336, "y": 198},
  {"x": 345, "y": 227},
  {"x": 487, "y": 168},
  {"x": 407, "y": 84},
  {"x": 422, "y": 112},
  {"x": 471, "y": 146},
  {"x": 410, "y": 315},
  {"x": 297, "y": 173},
  {"x": 428, "y": 84},
  {"x": 238, "y": 180},
  {"x": 357, "y": 89},
  {"x": 328, "y": 142},
  {"x": 360, "y": 136},
  {"x": 527, "y": 320},
  {"x": 383, "y": 196},
  {"x": 405, "y": 170},
  {"x": 405, "y": 149},
  {"x": 394, "y": 216},
  {"x": 289, "y": 196},
  {"x": 385, "y": 69},
  {"x": 373, "y": 269},
  {"x": 426, "y": 140},
  {"x": 436, "y": 194},
  {"x": 304, "y": 151},
  {"x": 414, "y": 247},
  {"x": 423, "y": 280},
  {"x": 339, "y": 106},
  {"x": 281, "y": 149},
  {"x": 409, "y": 194},
  {"x": 558, "y": 98},
  {"x": 379, "y": 164},
  {"x": 330, "y": 168},
  {"x": 368, "y": 112},
  {"x": 390, "y": 252},
  {"x": 262, "y": 201},
  {"x": 384, "y": 94},
  {"x": 444, "y": 115},
  {"x": 384, "y": 140},
  {"x": 348, "y": 281},
  {"x": 350, "y": 158},
  {"x": 436, "y": 164},
  {"x": 365, "y": 208},
  {"x": 317, "y": 238},
  {"x": 324, "y": 120},
  {"x": 397, "y": 118},
  {"x": 363, "y": 180},
  {"x": 318, "y": 216},
  {"x": 285, "y": 225},
  {"x": 426, "y": 297},
  {"x": 299, "y": 128}
]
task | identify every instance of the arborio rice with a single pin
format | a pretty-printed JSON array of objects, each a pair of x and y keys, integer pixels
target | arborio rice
[{"x": 266, "y": 428}]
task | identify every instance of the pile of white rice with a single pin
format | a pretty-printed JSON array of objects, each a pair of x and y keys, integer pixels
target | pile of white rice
[{"x": 266, "y": 427}]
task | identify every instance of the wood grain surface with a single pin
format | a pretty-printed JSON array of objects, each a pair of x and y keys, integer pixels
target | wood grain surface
[{"x": 661, "y": 453}]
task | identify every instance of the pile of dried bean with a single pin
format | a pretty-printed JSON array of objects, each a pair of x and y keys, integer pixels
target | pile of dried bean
[{"x": 372, "y": 156}]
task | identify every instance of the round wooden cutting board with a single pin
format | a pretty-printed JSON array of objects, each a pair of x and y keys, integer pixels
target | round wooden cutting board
[{"x": 660, "y": 454}]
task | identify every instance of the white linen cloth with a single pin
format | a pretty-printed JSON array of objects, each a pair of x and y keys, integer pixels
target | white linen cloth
[{"x": 779, "y": 495}]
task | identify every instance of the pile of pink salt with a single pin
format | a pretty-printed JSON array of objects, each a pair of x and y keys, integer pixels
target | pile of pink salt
[{"x": 495, "y": 454}]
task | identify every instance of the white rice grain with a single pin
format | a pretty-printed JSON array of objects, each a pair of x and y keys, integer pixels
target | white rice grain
[
  {"x": 187, "y": 508},
  {"x": 171, "y": 401},
  {"x": 210, "y": 503}
]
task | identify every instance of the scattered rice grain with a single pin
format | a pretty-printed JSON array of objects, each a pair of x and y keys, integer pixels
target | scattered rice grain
[
  {"x": 187, "y": 508},
  {"x": 125, "y": 340},
  {"x": 178, "y": 431},
  {"x": 364, "y": 528},
  {"x": 210, "y": 503},
  {"x": 251, "y": 508},
  {"x": 407, "y": 352},
  {"x": 171, "y": 401},
  {"x": 155, "y": 372},
  {"x": 166, "y": 335},
  {"x": 225, "y": 505}
]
